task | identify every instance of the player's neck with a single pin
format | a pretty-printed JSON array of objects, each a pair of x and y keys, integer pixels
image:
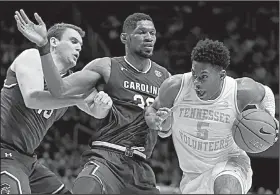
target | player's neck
[
  {"x": 140, "y": 64},
  {"x": 218, "y": 92},
  {"x": 59, "y": 65}
]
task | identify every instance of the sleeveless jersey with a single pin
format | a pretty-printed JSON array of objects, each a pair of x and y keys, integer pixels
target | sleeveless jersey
[
  {"x": 131, "y": 91},
  {"x": 23, "y": 128},
  {"x": 201, "y": 130}
]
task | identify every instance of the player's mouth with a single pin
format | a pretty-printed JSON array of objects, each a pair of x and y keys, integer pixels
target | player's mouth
[
  {"x": 76, "y": 56},
  {"x": 148, "y": 46},
  {"x": 200, "y": 93}
]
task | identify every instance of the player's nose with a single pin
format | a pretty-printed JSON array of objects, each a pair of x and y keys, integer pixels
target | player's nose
[{"x": 78, "y": 48}]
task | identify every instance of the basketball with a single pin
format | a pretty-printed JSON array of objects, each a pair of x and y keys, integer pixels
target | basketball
[{"x": 254, "y": 130}]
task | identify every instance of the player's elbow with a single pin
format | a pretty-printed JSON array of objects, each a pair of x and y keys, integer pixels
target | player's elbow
[
  {"x": 59, "y": 92},
  {"x": 30, "y": 100}
]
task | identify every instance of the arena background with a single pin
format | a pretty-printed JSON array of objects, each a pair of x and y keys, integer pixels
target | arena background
[{"x": 249, "y": 29}]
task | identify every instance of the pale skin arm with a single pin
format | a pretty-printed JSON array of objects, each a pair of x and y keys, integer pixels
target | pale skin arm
[
  {"x": 155, "y": 114},
  {"x": 77, "y": 83},
  {"x": 31, "y": 83}
]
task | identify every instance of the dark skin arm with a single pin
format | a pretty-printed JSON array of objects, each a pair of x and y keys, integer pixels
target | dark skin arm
[
  {"x": 155, "y": 114},
  {"x": 249, "y": 92}
]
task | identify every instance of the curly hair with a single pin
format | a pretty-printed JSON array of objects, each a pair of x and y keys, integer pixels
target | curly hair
[
  {"x": 213, "y": 52},
  {"x": 131, "y": 21}
]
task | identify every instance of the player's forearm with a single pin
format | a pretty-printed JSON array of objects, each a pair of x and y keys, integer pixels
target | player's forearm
[
  {"x": 268, "y": 101},
  {"x": 45, "y": 100},
  {"x": 51, "y": 74}
]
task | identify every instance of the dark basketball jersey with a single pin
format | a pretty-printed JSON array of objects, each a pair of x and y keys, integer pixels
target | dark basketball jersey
[
  {"x": 131, "y": 91},
  {"x": 23, "y": 128}
]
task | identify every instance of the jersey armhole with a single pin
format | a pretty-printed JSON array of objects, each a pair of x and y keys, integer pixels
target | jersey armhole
[
  {"x": 110, "y": 72},
  {"x": 235, "y": 99},
  {"x": 180, "y": 90}
]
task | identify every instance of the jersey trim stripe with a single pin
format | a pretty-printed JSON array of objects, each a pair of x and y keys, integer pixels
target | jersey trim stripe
[
  {"x": 59, "y": 189},
  {"x": 150, "y": 66},
  {"x": 9, "y": 86},
  {"x": 15, "y": 178},
  {"x": 235, "y": 99},
  {"x": 181, "y": 88}
]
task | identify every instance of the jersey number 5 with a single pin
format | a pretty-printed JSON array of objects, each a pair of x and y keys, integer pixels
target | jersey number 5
[
  {"x": 46, "y": 114},
  {"x": 142, "y": 102},
  {"x": 202, "y": 133}
]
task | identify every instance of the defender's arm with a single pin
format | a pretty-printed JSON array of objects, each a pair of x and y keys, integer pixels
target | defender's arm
[{"x": 31, "y": 83}]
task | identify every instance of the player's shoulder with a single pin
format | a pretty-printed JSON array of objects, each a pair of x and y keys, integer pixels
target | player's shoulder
[
  {"x": 169, "y": 89},
  {"x": 249, "y": 90},
  {"x": 30, "y": 53},
  {"x": 98, "y": 62},
  {"x": 172, "y": 83},
  {"x": 160, "y": 68},
  {"x": 27, "y": 57},
  {"x": 247, "y": 84}
]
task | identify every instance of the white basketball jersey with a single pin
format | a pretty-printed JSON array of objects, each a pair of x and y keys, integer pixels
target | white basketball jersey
[{"x": 201, "y": 130}]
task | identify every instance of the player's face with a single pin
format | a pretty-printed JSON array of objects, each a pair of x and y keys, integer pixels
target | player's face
[
  {"x": 69, "y": 47},
  {"x": 143, "y": 39},
  {"x": 207, "y": 79}
]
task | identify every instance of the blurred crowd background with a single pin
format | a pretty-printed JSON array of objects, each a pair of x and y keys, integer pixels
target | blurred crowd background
[{"x": 249, "y": 29}]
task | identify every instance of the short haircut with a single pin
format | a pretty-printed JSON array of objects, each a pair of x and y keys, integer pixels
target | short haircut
[
  {"x": 58, "y": 29},
  {"x": 213, "y": 52},
  {"x": 131, "y": 21}
]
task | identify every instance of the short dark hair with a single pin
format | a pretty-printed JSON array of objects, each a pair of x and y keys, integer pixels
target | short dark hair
[
  {"x": 213, "y": 52},
  {"x": 58, "y": 29},
  {"x": 131, "y": 21}
]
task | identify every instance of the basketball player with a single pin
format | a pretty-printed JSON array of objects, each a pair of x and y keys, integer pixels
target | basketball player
[
  {"x": 202, "y": 105},
  {"x": 116, "y": 162},
  {"x": 27, "y": 112}
]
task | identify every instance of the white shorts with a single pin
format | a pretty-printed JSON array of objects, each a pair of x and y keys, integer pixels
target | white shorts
[{"x": 203, "y": 183}]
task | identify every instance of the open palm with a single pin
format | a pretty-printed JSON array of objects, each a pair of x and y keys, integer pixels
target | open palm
[{"x": 36, "y": 33}]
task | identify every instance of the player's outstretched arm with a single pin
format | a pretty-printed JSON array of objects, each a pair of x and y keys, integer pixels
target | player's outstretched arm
[
  {"x": 31, "y": 83},
  {"x": 97, "y": 104},
  {"x": 77, "y": 83},
  {"x": 157, "y": 115}
]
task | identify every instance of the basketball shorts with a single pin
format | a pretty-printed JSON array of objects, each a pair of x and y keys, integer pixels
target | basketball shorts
[
  {"x": 21, "y": 174},
  {"x": 107, "y": 171},
  {"x": 203, "y": 183}
]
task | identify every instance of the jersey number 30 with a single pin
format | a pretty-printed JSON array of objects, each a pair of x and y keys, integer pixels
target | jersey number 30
[
  {"x": 142, "y": 103},
  {"x": 46, "y": 113}
]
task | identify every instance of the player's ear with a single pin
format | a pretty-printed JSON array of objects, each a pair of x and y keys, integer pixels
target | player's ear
[
  {"x": 223, "y": 74},
  {"x": 123, "y": 38},
  {"x": 53, "y": 41}
]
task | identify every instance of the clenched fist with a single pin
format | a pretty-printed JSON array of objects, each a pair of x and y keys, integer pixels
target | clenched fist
[{"x": 99, "y": 103}]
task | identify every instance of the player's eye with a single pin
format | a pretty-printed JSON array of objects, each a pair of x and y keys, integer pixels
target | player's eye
[
  {"x": 74, "y": 41},
  {"x": 204, "y": 77},
  {"x": 153, "y": 33}
]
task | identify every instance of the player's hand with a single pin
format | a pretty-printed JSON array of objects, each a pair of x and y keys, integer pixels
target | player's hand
[
  {"x": 277, "y": 125},
  {"x": 163, "y": 114},
  {"x": 100, "y": 100},
  {"x": 36, "y": 33},
  {"x": 156, "y": 120}
]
